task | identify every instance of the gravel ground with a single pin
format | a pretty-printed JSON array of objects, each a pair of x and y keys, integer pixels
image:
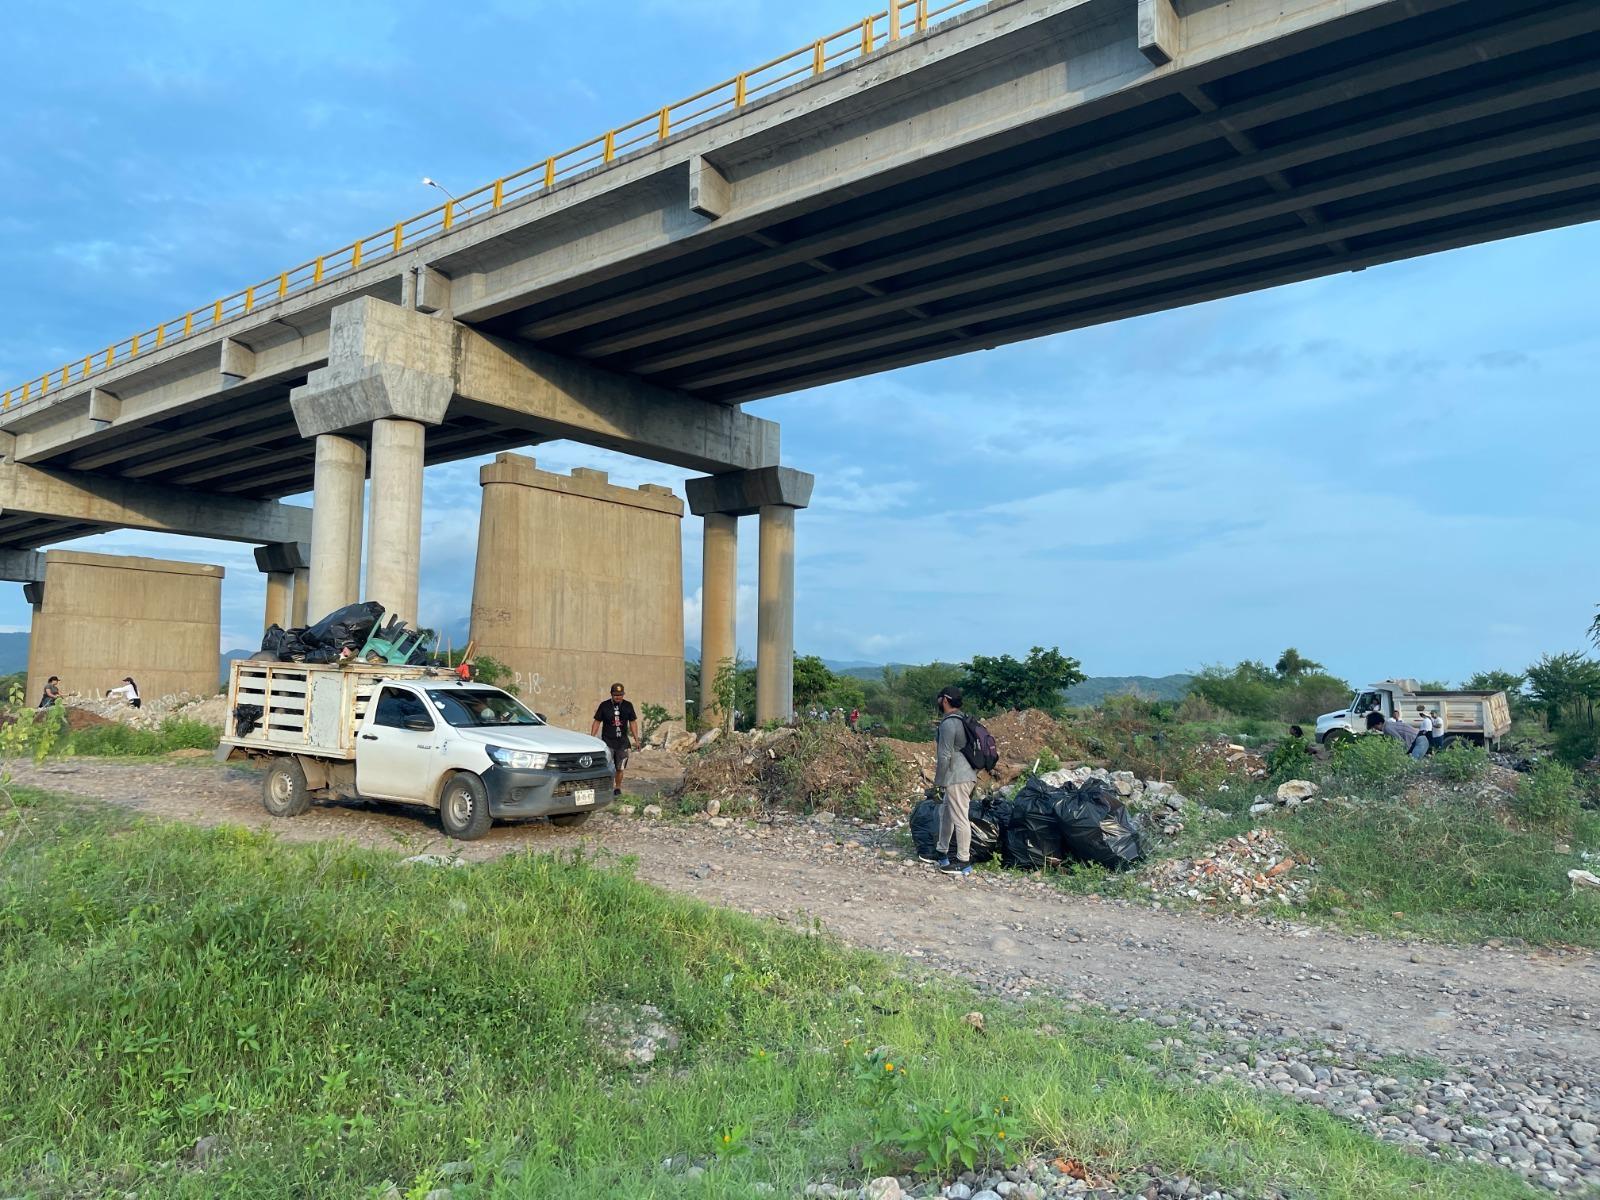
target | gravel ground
[{"x": 1504, "y": 1042}]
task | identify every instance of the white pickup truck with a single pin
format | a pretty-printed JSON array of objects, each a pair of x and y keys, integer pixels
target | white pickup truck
[
  {"x": 1482, "y": 718},
  {"x": 415, "y": 735}
]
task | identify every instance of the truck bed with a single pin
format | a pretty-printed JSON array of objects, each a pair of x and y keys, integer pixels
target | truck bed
[{"x": 311, "y": 709}]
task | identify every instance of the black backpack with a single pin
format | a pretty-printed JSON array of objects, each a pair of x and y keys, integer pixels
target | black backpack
[{"x": 980, "y": 750}]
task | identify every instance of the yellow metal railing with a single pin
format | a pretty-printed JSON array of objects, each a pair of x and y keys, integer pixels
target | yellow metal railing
[{"x": 903, "y": 18}]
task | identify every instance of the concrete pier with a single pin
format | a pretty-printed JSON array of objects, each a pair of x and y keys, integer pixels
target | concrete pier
[
  {"x": 103, "y": 616},
  {"x": 774, "y": 493},
  {"x": 719, "y": 593},
  {"x": 280, "y": 599},
  {"x": 335, "y": 573},
  {"x": 579, "y": 584},
  {"x": 775, "y": 615},
  {"x": 395, "y": 560}
]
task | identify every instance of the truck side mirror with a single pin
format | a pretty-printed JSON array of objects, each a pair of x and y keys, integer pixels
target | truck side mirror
[
  {"x": 419, "y": 724},
  {"x": 542, "y": 719}
]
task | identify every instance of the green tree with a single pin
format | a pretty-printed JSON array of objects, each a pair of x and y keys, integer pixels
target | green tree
[
  {"x": 1566, "y": 687},
  {"x": 812, "y": 680},
  {"x": 1034, "y": 682},
  {"x": 1292, "y": 664},
  {"x": 1509, "y": 682}
]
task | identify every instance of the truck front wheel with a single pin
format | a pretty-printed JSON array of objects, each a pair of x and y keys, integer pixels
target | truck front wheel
[
  {"x": 464, "y": 807},
  {"x": 284, "y": 792},
  {"x": 1334, "y": 736}
]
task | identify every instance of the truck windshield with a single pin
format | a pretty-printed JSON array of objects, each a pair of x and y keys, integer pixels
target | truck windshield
[{"x": 466, "y": 707}]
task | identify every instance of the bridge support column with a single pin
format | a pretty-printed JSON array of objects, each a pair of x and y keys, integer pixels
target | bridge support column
[
  {"x": 302, "y": 598},
  {"x": 394, "y": 561},
  {"x": 774, "y": 493},
  {"x": 775, "y": 615},
  {"x": 719, "y": 594},
  {"x": 340, "y": 484},
  {"x": 280, "y": 600},
  {"x": 282, "y": 563}
]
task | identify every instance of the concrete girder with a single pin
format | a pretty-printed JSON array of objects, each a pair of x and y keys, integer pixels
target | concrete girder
[
  {"x": 22, "y": 566},
  {"x": 1145, "y": 194},
  {"x": 1450, "y": 202},
  {"x": 116, "y": 503},
  {"x": 1253, "y": 278},
  {"x": 1462, "y": 50}
]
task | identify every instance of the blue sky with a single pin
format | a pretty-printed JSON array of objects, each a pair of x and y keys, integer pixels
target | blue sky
[{"x": 1391, "y": 470}]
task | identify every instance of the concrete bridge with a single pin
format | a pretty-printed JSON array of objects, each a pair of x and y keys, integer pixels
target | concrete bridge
[{"x": 925, "y": 184}]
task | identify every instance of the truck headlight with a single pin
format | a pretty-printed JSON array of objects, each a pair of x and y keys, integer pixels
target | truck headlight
[{"x": 521, "y": 760}]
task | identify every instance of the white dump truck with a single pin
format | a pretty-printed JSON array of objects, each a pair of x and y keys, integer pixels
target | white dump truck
[
  {"x": 413, "y": 735},
  {"x": 1482, "y": 718}
]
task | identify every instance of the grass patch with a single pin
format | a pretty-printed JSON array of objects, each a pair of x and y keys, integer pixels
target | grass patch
[
  {"x": 119, "y": 740},
  {"x": 338, "y": 1021},
  {"x": 1454, "y": 868}
]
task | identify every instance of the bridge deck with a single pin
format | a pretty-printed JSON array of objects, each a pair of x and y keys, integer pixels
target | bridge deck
[{"x": 1021, "y": 171}]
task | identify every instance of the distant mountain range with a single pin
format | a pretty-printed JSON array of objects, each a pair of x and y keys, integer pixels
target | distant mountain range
[{"x": 1097, "y": 688}]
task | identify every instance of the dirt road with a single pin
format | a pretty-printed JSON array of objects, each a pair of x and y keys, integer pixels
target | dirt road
[{"x": 1539, "y": 1009}]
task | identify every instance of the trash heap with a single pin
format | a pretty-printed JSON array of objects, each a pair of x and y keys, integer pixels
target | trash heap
[
  {"x": 1253, "y": 868},
  {"x": 354, "y": 631},
  {"x": 1232, "y": 757},
  {"x": 814, "y": 766},
  {"x": 1046, "y": 822},
  {"x": 84, "y": 711}
]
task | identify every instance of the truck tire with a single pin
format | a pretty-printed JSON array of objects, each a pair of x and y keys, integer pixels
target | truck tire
[
  {"x": 569, "y": 820},
  {"x": 1334, "y": 736},
  {"x": 464, "y": 807},
  {"x": 284, "y": 792}
]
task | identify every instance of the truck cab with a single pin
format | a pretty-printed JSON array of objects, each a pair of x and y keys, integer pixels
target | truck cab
[{"x": 441, "y": 738}]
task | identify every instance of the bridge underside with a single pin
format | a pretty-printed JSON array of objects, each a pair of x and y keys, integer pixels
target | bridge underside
[
  {"x": 1461, "y": 124},
  {"x": 1395, "y": 131}
]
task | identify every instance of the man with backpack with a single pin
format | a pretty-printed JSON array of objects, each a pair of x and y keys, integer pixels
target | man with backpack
[{"x": 954, "y": 778}]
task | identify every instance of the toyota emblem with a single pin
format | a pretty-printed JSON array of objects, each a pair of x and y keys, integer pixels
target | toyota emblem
[{"x": 586, "y": 761}]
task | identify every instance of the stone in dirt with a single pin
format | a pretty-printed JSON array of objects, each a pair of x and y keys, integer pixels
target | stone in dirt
[
  {"x": 652, "y": 810},
  {"x": 885, "y": 1187},
  {"x": 631, "y": 1035},
  {"x": 713, "y": 807},
  {"x": 1296, "y": 791}
]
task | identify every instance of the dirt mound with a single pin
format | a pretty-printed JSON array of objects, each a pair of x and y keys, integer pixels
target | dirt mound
[
  {"x": 1024, "y": 735},
  {"x": 812, "y": 767}
]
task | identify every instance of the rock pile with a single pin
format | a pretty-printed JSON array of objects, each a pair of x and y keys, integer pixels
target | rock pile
[
  {"x": 1291, "y": 793},
  {"x": 1233, "y": 758},
  {"x": 208, "y": 710},
  {"x": 814, "y": 766},
  {"x": 1253, "y": 868},
  {"x": 1039, "y": 1177}
]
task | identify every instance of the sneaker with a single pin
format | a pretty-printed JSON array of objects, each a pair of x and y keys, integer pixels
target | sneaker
[
  {"x": 955, "y": 866},
  {"x": 615, "y": 792},
  {"x": 932, "y": 856}
]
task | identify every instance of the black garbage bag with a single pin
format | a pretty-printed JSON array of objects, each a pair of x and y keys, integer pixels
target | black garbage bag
[
  {"x": 245, "y": 718},
  {"x": 1095, "y": 831},
  {"x": 985, "y": 839},
  {"x": 320, "y": 654},
  {"x": 347, "y": 626},
  {"x": 925, "y": 826},
  {"x": 1032, "y": 837},
  {"x": 1102, "y": 790},
  {"x": 272, "y": 639},
  {"x": 993, "y": 808}
]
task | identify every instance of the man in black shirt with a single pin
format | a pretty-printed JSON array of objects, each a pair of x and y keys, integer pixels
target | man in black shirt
[{"x": 616, "y": 724}]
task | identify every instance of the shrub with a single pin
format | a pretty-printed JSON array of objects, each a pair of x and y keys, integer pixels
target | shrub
[
  {"x": 1548, "y": 796},
  {"x": 1375, "y": 760},
  {"x": 1460, "y": 762},
  {"x": 1290, "y": 759}
]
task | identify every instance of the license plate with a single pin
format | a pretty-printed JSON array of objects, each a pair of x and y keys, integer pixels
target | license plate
[{"x": 586, "y": 796}]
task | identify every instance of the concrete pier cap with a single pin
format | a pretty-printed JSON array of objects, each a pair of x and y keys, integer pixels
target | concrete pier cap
[
  {"x": 742, "y": 493},
  {"x": 383, "y": 362}
]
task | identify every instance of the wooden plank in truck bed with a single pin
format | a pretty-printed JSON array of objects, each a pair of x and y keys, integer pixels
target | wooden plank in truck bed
[{"x": 307, "y": 709}]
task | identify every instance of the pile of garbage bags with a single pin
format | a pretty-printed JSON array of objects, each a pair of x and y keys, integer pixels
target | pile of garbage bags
[
  {"x": 340, "y": 634},
  {"x": 1042, "y": 826}
]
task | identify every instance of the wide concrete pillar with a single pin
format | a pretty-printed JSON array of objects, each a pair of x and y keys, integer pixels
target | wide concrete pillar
[
  {"x": 719, "y": 595},
  {"x": 280, "y": 599},
  {"x": 340, "y": 482},
  {"x": 775, "y": 615},
  {"x": 394, "y": 559},
  {"x": 302, "y": 598}
]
